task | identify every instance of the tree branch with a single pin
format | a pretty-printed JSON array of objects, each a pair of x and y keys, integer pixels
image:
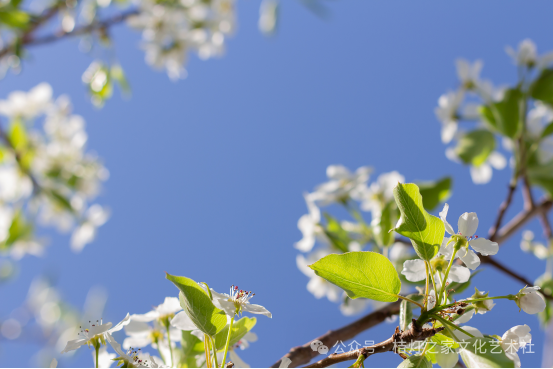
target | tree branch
[
  {"x": 60, "y": 34},
  {"x": 303, "y": 354},
  {"x": 391, "y": 344},
  {"x": 519, "y": 220},
  {"x": 503, "y": 209}
]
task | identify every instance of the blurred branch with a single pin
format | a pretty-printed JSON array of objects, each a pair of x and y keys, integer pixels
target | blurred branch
[
  {"x": 391, "y": 344},
  {"x": 61, "y": 34},
  {"x": 503, "y": 209},
  {"x": 303, "y": 354}
]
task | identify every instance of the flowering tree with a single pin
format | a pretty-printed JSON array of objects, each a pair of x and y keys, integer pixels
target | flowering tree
[{"x": 391, "y": 256}]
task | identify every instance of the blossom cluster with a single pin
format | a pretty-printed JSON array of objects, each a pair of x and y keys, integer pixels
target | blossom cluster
[
  {"x": 46, "y": 172},
  {"x": 477, "y": 111},
  {"x": 166, "y": 327}
]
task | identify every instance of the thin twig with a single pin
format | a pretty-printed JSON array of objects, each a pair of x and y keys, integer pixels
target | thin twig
[
  {"x": 519, "y": 220},
  {"x": 503, "y": 209},
  {"x": 303, "y": 354},
  {"x": 397, "y": 340},
  {"x": 60, "y": 34}
]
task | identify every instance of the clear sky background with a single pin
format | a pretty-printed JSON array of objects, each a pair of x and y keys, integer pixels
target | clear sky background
[{"x": 207, "y": 174}]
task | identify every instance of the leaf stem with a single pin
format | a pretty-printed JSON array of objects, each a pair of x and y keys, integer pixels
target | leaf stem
[
  {"x": 170, "y": 347},
  {"x": 206, "y": 349},
  {"x": 411, "y": 301},
  {"x": 228, "y": 341},
  {"x": 447, "y": 274},
  {"x": 214, "y": 352},
  {"x": 446, "y": 322}
]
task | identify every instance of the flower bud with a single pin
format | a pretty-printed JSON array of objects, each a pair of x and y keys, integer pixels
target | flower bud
[{"x": 530, "y": 300}]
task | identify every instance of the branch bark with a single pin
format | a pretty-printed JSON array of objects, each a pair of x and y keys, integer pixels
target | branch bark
[
  {"x": 391, "y": 344},
  {"x": 28, "y": 40},
  {"x": 303, "y": 354},
  {"x": 502, "y": 210}
]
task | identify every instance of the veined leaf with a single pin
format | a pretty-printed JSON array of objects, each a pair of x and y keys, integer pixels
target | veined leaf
[
  {"x": 198, "y": 306},
  {"x": 425, "y": 230},
  {"x": 475, "y": 147},
  {"x": 383, "y": 223},
  {"x": 361, "y": 274},
  {"x": 504, "y": 115},
  {"x": 542, "y": 87},
  {"x": 434, "y": 193}
]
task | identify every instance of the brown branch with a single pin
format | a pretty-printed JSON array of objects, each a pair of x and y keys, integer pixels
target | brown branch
[
  {"x": 397, "y": 340},
  {"x": 230, "y": 364},
  {"x": 303, "y": 354},
  {"x": 60, "y": 34},
  {"x": 519, "y": 220},
  {"x": 503, "y": 209}
]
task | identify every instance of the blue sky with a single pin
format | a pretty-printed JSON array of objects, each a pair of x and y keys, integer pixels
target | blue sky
[{"x": 207, "y": 174}]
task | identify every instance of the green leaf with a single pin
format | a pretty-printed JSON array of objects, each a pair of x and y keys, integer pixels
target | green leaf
[
  {"x": 425, "y": 230},
  {"x": 475, "y": 147},
  {"x": 483, "y": 352},
  {"x": 361, "y": 274},
  {"x": 18, "y": 134},
  {"x": 542, "y": 175},
  {"x": 118, "y": 76},
  {"x": 415, "y": 361},
  {"x": 239, "y": 330},
  {"x": 198, "y": 306},
  {"x": 542, "y": 87},
  {"x": 14, "y": 18},
  {"x": 504, "y": 116},
  {"x": 20, "y": 229},
  {"x": 61, "y": 200},
  {"x": 547, "y": 130},
  {"x": 382, "y": 223},
  {"x": 405, "y": 314},
  {"x": 189, "y": 342},
  {"x": 434, "y": 193},
  {"x": 337, "y": 235},
  {"x": 444, "y": 340}
]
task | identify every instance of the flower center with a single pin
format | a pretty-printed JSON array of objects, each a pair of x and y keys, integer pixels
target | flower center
[{"x": 239, "y": 297}]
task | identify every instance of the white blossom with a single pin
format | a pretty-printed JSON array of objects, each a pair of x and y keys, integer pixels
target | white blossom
[
  {"x": 467, "y": 225},
  {"x": 318, "y": 286},
  {"x": 530, "y": 300},
  {"x": 447, "y": 113},
  {"x": 96, "y": 332},
  {"x": 379, "y": 193},
  {"x": 341, "y": 184},
  {"x": 527, "y": 55},
  {"x": 513, "y": 340}
]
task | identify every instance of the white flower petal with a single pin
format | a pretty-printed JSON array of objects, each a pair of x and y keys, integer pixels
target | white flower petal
[
  {"x": 467, "y": 224},
  {"x": 446, "y": 250},
  {"x": 461, "y": 336},
  {"x": 458, "y": 274},
  {"x": 74, "y": 344},
  {"x": 465, "y": 317},
  {"x": 481, "y": 174},
  {"x": 484, "y": 246},
  {"x": 148, "y": 317},
  {"x": 183, "y": 322},
  {"x": 471, "y": 260},
  {"x": 256, "y": 309},
  {"x": 414, "y": 270},
  {"x": 121, "y": 324},
  {"x": 443, "y": 215},
  {"x": 497, "y": 160}
]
